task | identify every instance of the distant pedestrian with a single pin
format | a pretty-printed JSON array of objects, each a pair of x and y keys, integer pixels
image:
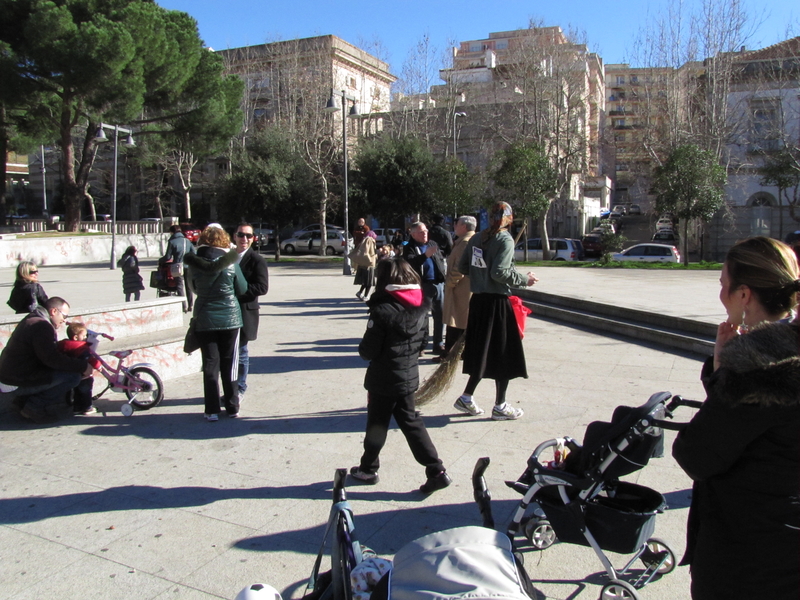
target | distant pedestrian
[
  {"x": 27, "y": 292},
  {"x": 178, "y": 248},
  {"x": 131, "y": 280},
  {"x": 396, "y": 332},
  {"x": 365, "y": 257},
  {"x": 426, "y": 258},
  {"x": 493, "y": 346}
]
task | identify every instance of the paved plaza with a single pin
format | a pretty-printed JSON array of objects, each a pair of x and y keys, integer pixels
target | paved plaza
[{"x": 165, "y": 505}]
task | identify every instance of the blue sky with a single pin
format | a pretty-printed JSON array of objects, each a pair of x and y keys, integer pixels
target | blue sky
[{"x": 610, "y": 27}]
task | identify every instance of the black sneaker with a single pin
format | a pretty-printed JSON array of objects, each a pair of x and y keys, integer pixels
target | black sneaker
[
  {"x": 368, "y": 478},
  {"x": 436, "y": 483}
]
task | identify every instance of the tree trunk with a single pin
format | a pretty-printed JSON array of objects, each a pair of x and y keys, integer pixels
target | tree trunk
[
  {"x": 323, "y": 209},
  {"x": 4, "y": 159}
]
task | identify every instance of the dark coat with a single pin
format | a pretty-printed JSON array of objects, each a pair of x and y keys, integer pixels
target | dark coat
[
  {"x": 25, "y": 296},
  {"x": 742, "y": 449},
  {"x": 441, "y": 236},
  {"x": 131, "y": 280},
  {"x": 218, "y": 281},
  {"x": 178, "y": 248},
  {"x": 395, "y": 336},
  {"x": 31, "y": 354},
  {"x": 413, "y": 253},
  {"x": 254, "y": 269}
]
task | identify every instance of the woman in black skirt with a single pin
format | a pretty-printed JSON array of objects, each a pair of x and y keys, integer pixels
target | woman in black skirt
[{"x": 493, "y": 346}]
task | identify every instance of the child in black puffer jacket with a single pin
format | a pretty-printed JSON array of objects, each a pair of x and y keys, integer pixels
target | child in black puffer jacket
[{"x": 395, "y": 336}]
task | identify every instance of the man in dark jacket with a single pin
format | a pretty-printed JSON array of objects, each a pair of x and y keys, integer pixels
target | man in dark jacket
[
  {"x": 32, "y": 362},
  {"x": 177, "y": 248},
  {"x": 427, "y": 260},
  {"x": 440, "y": 235},
  {"x": 254, "y": 268}
]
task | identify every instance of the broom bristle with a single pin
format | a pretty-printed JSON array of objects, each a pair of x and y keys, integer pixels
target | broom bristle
[{"x": 442, "y": 378}]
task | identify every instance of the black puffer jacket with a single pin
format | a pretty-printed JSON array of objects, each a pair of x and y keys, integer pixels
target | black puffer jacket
[
  {"x": 742, "y": 449},
  {"x": 396, "y": 334},
  {"x": 26, "y": 296}
]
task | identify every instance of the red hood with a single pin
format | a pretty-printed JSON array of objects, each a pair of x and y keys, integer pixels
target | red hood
[{"x": 407, "y": 295}]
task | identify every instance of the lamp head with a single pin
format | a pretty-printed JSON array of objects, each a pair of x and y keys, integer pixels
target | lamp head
[{"x": 100, "y": 137}]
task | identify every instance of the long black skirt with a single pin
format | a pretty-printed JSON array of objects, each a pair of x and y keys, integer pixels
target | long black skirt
[{"x": 493, "y": 346}]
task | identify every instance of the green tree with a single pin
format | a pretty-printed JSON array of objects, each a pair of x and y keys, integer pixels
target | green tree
[
  {"x": 782, "y": 169},
  {"x": 397, "y": 177},
  {"x": 690, "y": 185},
  {"x": 530, "y": 181},
  {"x": 456, "y": 189},
  {"x": 270, "y": 182},
  {"x": 91, "y": 61}
]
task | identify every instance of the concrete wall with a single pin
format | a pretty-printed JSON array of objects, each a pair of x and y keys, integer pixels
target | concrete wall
[{"x": 76, "y": 250}]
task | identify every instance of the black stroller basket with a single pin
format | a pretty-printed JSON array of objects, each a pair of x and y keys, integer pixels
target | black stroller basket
[{"x": 580, "y": 499}]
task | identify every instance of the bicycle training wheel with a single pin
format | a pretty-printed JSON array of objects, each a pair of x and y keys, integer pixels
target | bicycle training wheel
[{"x": 152, "y": 392}]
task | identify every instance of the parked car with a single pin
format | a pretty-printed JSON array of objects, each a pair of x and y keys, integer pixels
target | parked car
[
  {"x": 263, "y": 236},
  {"x": 666, "y": 236},
  {"x": 635, "y": 209},
  {"x": 314, "y": 227},
  {"x": 309, "y": 243},
  {"x": 607, "y": 226},
  {"x": 650, "y": 253},
  {"x": 664, "y": 223},
  {"x": 384, "y": 236},
  {"x": 620, "y": 209},
  {"x": 191, "y": 232},
  {"x": 565, "y": 249},
  {"x": 593, "y": 244}
]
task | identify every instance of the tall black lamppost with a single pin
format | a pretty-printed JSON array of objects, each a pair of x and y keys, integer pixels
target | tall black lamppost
[
  {"x": 332, "y": 108},
  {"x": 100, "y": 138}
]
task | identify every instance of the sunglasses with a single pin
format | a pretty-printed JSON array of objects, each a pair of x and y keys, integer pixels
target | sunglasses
[
  {"x": 34, "y": 272},
  {"x": 241, "y": 234}
]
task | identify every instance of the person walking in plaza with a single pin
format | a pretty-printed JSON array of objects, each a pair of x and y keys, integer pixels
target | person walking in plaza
[
  {"x": 743, "y": 443},
  {"x": 493, "y": 346},
  {"x": 131, "y": 280},
  {"x": 218, "y": 281},
  {"x": 27, "y": 292},
  {"x": 396, "y": 332},
  {"x": 178, "y": 248},
  {"x": 256, "y": 274},
  {"x": 427, "y": 260},
  {"x": 456, "y": 285},
  {"x": 39, "y": 373},
  {"x": 365, "y": 256}
]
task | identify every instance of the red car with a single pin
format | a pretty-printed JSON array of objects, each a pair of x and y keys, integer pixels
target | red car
[
  {"x": 191, "y": 232},
  {"x": 592, "y": 245}
]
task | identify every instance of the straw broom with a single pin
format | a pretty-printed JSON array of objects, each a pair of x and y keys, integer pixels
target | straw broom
[{"x": 442, "y": 378}]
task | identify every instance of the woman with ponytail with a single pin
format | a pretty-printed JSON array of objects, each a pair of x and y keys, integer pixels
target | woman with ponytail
[{"x": 742, "y": 448}]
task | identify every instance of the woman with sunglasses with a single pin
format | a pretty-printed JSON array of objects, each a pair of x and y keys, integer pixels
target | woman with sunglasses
[{"x": 27, "y": 292}]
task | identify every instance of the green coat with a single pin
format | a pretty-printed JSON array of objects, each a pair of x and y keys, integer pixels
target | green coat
[
  {"x": 491, "y": 268},
  {"x": 218, "y": 281}
]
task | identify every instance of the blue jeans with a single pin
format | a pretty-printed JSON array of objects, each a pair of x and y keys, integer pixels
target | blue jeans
[
  {"x": 435, "y": 293},
  {"x": 244, "y": 368},
  {"x": 40, "y": 397}
]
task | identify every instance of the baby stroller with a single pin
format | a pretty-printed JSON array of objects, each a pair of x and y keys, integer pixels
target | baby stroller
[
  {"x": 473, "y": 562},
  {"x": 579, "y": 499}
]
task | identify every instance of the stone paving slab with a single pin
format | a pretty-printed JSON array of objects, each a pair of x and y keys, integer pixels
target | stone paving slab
[{"x": 165, "y": 505}]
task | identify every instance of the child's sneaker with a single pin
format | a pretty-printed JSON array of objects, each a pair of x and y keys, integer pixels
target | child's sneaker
[
  {"x": 471, "y": 408},
  {"x": 506, "y": 412},
  {"x": 368, "y": 478},
  {"x": 85, "y": 413}
]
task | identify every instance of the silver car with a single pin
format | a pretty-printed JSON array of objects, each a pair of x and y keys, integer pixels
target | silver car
[
  {"x": 650, "y": 253},
  {"x": 309, "y": 243}
]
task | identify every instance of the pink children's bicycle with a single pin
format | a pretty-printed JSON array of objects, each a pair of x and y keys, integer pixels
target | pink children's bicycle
[{"x": 140, "y": 383}]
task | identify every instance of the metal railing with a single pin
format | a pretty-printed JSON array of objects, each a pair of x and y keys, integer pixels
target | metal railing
[{"x": 123, "y": 227}]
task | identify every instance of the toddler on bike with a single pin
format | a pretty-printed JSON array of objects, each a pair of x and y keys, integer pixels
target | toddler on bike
[{"x": 76, "y": 345}]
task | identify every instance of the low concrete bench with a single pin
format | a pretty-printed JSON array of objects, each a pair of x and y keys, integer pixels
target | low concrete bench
[{"x": 154, "y": 330}]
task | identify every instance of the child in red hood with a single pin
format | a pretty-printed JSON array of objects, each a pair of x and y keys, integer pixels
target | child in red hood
[
  {"x": 77, "y": 346},
  {"x": 395, "y": 336}
]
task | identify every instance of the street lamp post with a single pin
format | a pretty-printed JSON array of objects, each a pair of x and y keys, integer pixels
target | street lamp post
[
  {"x": 456, "y": 114},
  {"x": 331, "y": 108},
  {"x": 44, "y": 186},
  {"x": 101, "y": 137}
]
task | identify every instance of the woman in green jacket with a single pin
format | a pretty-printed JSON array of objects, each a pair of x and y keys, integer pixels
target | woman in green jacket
[{"x": 217, "y": 281}]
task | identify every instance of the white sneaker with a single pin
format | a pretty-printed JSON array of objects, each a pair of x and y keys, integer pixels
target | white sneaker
[
  {"x": 506, "y": 413},
  {"x": 212, "y": 417},
  {"x": 471, "y": 408}
]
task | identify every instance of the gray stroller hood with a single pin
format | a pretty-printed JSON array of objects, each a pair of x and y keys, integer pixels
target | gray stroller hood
[{"x": 465, "y": 562}]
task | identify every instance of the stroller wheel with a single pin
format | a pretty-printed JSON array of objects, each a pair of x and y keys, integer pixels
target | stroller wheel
[
  {"x": 654, "y": 554},
  {"x": 618, "y": 590},
  {"x": 540, "y": 533}
]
